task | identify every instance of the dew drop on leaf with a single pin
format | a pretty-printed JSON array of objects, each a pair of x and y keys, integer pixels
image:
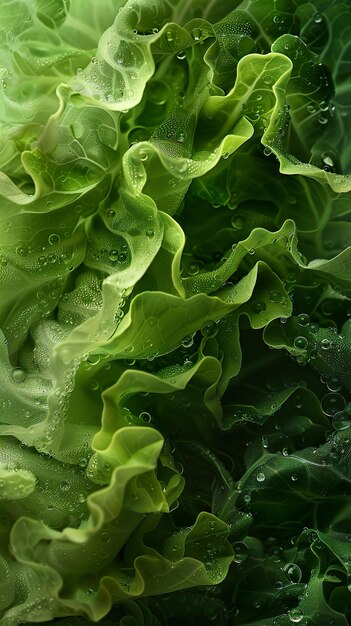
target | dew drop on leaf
[
  {"x": 65, "y": 485},
  {"x": 275, "y": 296},
  {"x": 258, "y": 306},
  {"x": 19, "y": 375},
  {"x": 317, "y": 17},
  {"x": 300, "y": 342},
  {"x": 238, "y": 222},
  {"x": 295, "y": 616},
  {"x": 341, "y": 420},
  {"x": 143, "y": 155},
  {"x": 209, "y": 329},
  {"x": 113, "y": 255},
  {"x": 333, "y": 383},
  {"x": 181, "y": 136},
  {"x": 169, "y": 34},
  {"x": 293, "y": 572},
  {"x": 196, "y": 34},
  {"x": 241, "y": 552},
  {"x": 303, "y": 319},
  {"x": 144, "y": 415},
  {"x": 333, "y": 403},
  {"x": 322, "y": 119},
  {"x": 54, "y": 239}
]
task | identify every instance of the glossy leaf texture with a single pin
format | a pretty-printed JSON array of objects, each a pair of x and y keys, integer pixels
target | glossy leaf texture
[{"x": 175, "y": 276}]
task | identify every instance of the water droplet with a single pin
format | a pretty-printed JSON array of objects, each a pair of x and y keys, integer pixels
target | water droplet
[
  {"x": 181, "y": 136},
  {"x": 94, "y": 385},
  {"x": 19, "y": 375},
  {"x": 325, "y": 343},
  {"x": 188, "y": 341},
  {"x": 144, "y": 415},
  {"x": 333, "y": 403},
  {"x": 300, "y": 342},
  {"x": 295, "y": 615},
  {"x": 291, "y": 277},
  {"x": 150, "y": 233},
  {"x": 22, "y": 251},
  {"x": 293, "y": 572},
  {"x": 258, "y": 306},
  {"x": 303, "y": 319},
  {"x": 65, "y": 485},
  {"x": 196, "y": 34},
  {"x": 317, "y": 17},
  {"x": 238, "y": 222},
  {"x": 275, "y": 296},
  {"x": 241, "y": 552},
  {"x": 342, "y": 420},
  {"x": 260, "y": 477},
  {"x": 209, "y": 329},
  {"x": 268, "y": 80},
  {"x": 181, "y": 55},
  {"x": 143, "y": 155},
  {"x": 169, "y": 36},
  {"x": 54, "y": 239},
  {"x": 333, "y": 383},
  {"x": 267, "y": 152},
  {"x": 328, "y": 161},
  {"x": 93, "y": 359},
  {"x": 322, "y": 119},
  {"x": 311, "y": 108},
  {"x": 113, "y": 255},
  {"x": 193, "y": 268},
  {"x": 106, "y": 537}
]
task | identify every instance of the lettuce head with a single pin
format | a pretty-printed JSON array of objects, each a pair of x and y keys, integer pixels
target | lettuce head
[{"x": 175, "y": 275}]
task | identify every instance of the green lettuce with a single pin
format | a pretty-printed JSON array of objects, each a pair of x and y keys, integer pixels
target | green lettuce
[{"x": 175, "y": 271}]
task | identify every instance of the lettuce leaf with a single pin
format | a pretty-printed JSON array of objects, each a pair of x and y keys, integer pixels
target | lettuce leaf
[{"x": 175, "y": 271}]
